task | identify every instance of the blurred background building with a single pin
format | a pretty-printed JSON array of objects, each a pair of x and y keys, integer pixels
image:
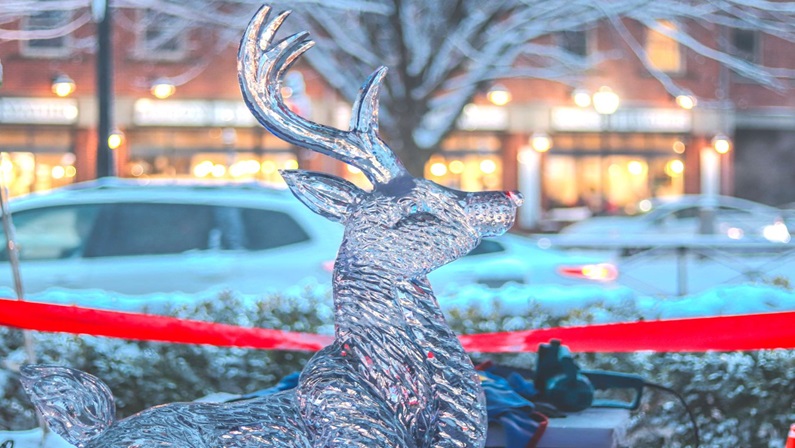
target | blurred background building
[{"x": 598, "y": 148}]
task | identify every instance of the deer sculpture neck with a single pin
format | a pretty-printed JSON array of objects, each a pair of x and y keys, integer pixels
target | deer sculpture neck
[{"x": 395, "y": 375}]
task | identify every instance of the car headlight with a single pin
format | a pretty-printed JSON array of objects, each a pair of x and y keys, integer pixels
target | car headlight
[{"x": 777, "y": 233}]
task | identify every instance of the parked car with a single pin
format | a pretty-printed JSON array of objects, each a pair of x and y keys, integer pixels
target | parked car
[
  {"x": 733, "y": 218},
  {"x": 524, "y": 260},
  {"x": 136, "y": 238}
]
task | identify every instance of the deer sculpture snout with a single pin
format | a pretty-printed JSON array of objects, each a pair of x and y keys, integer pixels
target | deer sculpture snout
[
  {"x": 515, "y": 197},
  {"x": 492, "y": 213}
]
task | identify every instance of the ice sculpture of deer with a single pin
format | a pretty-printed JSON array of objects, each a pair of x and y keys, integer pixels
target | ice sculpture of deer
[{"x": 396, "y": 374}]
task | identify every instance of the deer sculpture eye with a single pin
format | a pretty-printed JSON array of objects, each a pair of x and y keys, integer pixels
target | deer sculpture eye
[{"x": 417, "y": 214}]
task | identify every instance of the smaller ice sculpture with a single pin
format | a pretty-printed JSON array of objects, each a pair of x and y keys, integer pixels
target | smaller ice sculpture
[{"x": 396, "y": 374}]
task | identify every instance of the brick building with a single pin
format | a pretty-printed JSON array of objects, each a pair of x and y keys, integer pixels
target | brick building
[{"x": 562, "y": 152}]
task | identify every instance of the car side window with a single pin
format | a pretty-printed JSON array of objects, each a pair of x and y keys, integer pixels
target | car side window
[
  {"x": 51, "y": 233},
  {"x": 268, "y": 229},
  {"x": 126, "y": 229},
  {"x": 676, "y": 217},
  {"x": 687, "y": 213}
]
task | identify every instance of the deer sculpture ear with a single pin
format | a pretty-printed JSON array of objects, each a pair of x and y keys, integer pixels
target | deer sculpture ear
[{"x": 326, "y": 195}]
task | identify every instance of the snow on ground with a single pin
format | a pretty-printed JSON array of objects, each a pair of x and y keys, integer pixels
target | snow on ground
[{"x": 513, "y": 299}]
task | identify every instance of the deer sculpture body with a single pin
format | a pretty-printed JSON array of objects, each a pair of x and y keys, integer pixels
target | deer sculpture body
[{"x": 395, "y": 375}]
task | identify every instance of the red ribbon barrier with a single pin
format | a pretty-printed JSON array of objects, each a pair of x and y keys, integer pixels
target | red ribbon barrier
[
  {"x": 724, "y": 333},
  {"x": 720, "y": 333},
  {"x": 149, "y": 327}
]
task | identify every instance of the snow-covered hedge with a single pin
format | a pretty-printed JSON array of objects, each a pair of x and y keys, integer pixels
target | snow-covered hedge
[{"x": 740, "y": 399}]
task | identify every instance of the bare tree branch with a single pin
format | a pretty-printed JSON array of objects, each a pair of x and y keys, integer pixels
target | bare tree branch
[{"x": 443, "y": 53}]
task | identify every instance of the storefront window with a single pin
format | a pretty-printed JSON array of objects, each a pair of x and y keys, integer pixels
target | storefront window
[
  {"x": 236, "y": 166},
  {"x": 468, "y": 161},
  {"x": 614, "y": 178},
  {"x": 26, "y": 172},
  {"x": 468, "y": 172},
  {"x": 212, "y": 154}
]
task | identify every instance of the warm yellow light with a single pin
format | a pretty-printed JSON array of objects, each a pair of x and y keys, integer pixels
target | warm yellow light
[
  {"x": 71, "y": 171},
  {"x": 581, "y": 98},
  {"x": 268, "y": 167},
  {"x": 58, "y": 172},
  {"x": 250, "y": 166},
  {"x": 541, "y": 142},
  {"x": 115, "y": 139},
  {"x": 137, "y": 170},
  {"x": 457, "y": 167},
  {"x": 237, "y": 170},
  {"x": 291, "y": 164},
  {"x": 605, "y": 101},
  {"x": 499, "y": 95},
  {"x": 353, "y": 169},
  {"x": 218, "y": 170},
  {"x": 438, "y": 169},
  {"x": 6, "y": 166},
  {"x": 162, "y": 88},
  {"x": 203, "y": 169},
  {"x": 243, "y": 168},
  {"x": 686, "y": 101},
  {"x": 635, "y": 168},
  {"x": 721, "y": 143},
  {"x": 63, "y": 86},
  {"x": 679, "y": 147},
  {"x": 674, "y": 168},
  {"x": 488, "y": 166}
]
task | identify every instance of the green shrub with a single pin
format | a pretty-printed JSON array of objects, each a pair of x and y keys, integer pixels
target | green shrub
[{"x": 740, "y": 399}]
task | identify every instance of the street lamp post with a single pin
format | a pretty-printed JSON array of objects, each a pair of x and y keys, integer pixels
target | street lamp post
[
  {"x": 530, "y": 160},
  {"x": 710, "y": 161},
  {"x": 605, "y": 103},
  {"x": 105, "y": 159}
]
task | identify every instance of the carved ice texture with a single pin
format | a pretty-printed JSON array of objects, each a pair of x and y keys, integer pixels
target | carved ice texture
[{"x": 396, "y": 374}]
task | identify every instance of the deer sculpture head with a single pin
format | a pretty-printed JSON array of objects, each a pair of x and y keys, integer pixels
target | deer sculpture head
[
  {"x": 395, "y": 375},
  {"x": 409, "y": 226}
]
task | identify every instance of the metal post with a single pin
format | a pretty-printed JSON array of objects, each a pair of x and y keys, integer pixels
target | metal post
[
  {"x": 681, "y": 271},
  {"x": 105, "y": 158},
  {"x": 13, "y": 259}
]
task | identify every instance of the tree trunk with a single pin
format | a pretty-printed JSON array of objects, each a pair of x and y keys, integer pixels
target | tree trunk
[{"x": 414, "y": 159}]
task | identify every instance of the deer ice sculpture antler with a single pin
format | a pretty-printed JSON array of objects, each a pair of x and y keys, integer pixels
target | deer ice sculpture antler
[
  {"x": 261, "y": 68},
  {"x": 396, "y": 374}
]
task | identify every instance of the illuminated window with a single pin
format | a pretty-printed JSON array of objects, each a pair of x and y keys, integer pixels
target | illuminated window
[
  {"x": 161, "y": 36},
  {"x": 662, "y": 51},
  {"x": 49, "y": 21},
  {"x": 574, "y": 42}
]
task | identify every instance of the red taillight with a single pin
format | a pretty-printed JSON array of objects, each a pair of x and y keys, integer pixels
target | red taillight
[{"x": 601, "y": 272}]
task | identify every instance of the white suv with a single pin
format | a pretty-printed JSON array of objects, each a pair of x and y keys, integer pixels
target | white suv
[{"x": 135, "y": 238}]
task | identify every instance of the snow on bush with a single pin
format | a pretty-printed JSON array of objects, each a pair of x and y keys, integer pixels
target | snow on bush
[{"x": 739, "y": 398}]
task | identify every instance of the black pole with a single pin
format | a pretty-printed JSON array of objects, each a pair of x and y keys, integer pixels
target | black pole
[{"x": 105, "y": 156}]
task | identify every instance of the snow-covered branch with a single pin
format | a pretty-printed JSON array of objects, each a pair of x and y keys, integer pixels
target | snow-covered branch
[{"x": 443, "y": 53}]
